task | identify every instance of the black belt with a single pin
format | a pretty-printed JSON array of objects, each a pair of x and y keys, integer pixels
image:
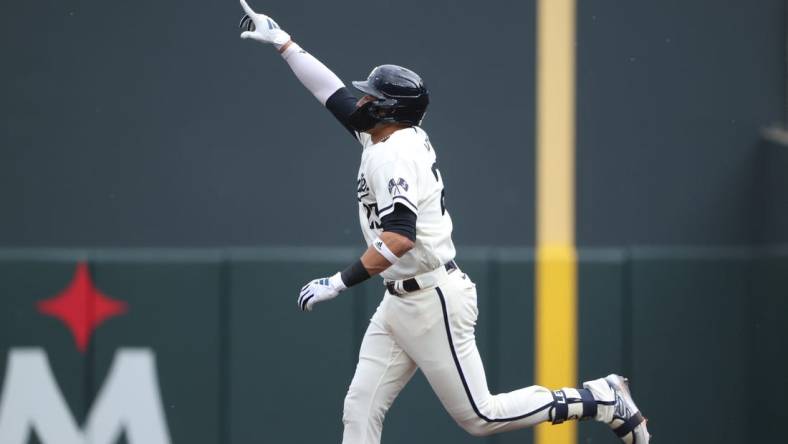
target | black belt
[{"x": 411, "y": 285}]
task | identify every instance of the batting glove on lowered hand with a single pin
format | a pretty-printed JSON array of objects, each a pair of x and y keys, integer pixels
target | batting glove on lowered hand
[
  {"x": 320, "y": 290},
  {"x": 262, "y": 28}
]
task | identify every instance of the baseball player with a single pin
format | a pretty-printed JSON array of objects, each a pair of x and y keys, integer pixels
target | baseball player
[{"x": 427, "y": 315}]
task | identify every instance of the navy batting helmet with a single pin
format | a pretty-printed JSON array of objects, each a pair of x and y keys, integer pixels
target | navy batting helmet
[{"x": 400, "y": 93}]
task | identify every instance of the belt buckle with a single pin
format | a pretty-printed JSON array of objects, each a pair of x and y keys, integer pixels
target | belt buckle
[{"x": 391, "y": 287}]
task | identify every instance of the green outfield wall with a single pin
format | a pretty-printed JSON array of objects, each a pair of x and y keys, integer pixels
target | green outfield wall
[{"x": 701, "y": 333}]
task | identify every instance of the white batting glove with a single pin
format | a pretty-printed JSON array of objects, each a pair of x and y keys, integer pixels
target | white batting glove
[
  {"x": 262, "y": 28},
  {"x": 320, "y": 290}
]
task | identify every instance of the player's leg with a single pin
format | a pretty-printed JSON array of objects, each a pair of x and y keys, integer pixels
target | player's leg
[
  {"x": 383, "y": 370},
  {"x": 452, "y": 365},
  {"x": 442, "y": 342}
]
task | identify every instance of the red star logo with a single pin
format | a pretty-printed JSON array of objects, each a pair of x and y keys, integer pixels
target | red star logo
[{"x": 82, "y": 307}]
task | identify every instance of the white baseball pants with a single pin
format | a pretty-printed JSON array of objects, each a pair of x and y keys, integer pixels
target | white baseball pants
[{"x": 433, "y": 330}]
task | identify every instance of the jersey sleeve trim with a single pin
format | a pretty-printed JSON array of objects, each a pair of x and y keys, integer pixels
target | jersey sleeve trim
[{"x": 395, "y": 200}]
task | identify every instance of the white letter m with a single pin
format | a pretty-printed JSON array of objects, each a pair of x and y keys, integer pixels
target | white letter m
[{"x": 129, "y": 400}]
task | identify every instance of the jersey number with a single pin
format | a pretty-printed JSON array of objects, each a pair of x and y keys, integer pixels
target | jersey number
[{"x": 437, "y": 175}]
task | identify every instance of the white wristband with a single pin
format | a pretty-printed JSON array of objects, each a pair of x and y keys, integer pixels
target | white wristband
[{"x": 384, "y": 250}]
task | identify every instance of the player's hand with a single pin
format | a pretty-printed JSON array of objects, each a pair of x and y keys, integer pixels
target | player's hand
[
  {"x": 262, "y": 28},
  {"x": 320, "y": 290}
]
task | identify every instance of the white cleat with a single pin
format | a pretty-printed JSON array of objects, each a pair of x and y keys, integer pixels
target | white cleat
[{"x": 627, "y": 423}]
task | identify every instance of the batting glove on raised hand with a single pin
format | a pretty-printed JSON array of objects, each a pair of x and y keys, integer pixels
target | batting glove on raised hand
[
  {"x": 320, "y": 290},
  {"x": 262, "y": 28}
]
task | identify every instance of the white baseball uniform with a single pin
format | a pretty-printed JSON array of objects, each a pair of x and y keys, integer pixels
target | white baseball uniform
[{"x": 432, "y": 328}]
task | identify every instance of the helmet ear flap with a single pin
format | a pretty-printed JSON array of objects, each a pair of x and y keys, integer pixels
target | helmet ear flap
[
  {"x": 400, "y": 111},
  {"x": 364, "y": 117}
]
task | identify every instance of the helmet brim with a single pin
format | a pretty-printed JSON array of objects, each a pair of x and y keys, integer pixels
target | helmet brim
[{"x": 366, "y": 88}]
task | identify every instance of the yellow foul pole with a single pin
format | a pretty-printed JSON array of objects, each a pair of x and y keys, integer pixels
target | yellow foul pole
[{"x": 556, "y": 267}]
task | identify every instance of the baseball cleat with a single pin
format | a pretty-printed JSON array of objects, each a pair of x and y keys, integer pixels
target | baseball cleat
[
  {"x": 627, "y": 423},
  {"x": 616, "y": 408}
]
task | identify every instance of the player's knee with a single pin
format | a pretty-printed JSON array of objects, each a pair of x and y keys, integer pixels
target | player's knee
[
  {"x": 352, "y": 406},
  {"x": 360, "y": 407},
  {"x": 476, "y": 427}
]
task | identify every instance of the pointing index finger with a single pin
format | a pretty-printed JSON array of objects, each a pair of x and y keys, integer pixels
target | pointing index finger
[{"x": 247, "y": 8}]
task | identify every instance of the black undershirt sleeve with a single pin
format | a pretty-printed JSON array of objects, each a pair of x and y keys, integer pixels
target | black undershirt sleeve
[
  {"x": 401, "y": 221},
  {"x": 354, "y": 274},
  {"x": 342, "y": 104}
]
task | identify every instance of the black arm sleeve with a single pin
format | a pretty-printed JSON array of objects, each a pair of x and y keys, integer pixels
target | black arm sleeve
[
  {"x": 401, "y": 221},
  {"x": 354, "y": 274},
  {"x": 342, "y": 104}
]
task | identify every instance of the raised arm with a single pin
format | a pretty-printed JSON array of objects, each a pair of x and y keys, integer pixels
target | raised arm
[{"x": 327, "y": 88}]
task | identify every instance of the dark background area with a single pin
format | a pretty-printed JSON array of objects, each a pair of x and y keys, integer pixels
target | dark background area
[
  {"x": 151, "y": 123},
  {"x": 672, "y": 98}
]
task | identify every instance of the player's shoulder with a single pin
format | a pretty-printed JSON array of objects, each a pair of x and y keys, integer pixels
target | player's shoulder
[
  {"x": 407, "y": 144},
  {"x": 412, "y": 136}
]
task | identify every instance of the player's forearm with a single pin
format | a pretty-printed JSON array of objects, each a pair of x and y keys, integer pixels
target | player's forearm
[
  {"x": 375, "y": 262},
  {"x": 313, "y": 74},
  {"x": 383, "y": 253}
]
